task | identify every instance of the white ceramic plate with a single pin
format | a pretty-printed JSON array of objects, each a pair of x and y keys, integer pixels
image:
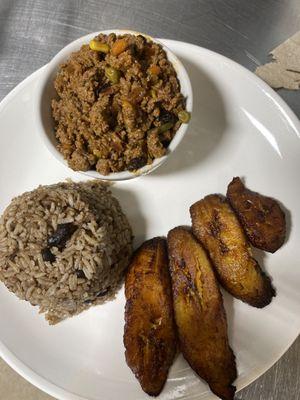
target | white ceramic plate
[{"x": 239, "y": 127}]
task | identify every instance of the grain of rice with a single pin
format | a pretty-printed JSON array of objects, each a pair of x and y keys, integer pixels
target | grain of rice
[
  {"x": 29, "y": 292},
  {"x": 73, "y": 282}
]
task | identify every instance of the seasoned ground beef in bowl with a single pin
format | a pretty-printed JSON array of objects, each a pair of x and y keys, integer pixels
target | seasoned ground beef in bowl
[{"x": 120, "y": 103}]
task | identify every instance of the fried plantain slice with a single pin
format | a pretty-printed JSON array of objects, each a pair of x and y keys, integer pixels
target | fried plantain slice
[
  {"x": 261, "y": 217},
  {"x": 200, "y": 314},
  {"x": 216, "y": 226},
  {"x": 149, "y": 335}
]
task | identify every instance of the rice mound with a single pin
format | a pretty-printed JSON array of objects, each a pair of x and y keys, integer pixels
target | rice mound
[{"x": 87, "y": 270}]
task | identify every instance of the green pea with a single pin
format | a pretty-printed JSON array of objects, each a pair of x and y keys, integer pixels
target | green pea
[
  {"x": 184, "y": 116},
  {"x": 112, "y": 74},
  {"x": 98, "y": 46}
]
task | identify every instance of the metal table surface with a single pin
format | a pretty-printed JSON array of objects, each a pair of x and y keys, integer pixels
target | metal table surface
[{"x": 32, "y": 31}]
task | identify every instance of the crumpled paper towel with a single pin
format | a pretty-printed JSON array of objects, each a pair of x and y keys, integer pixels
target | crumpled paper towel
[{"x": 284, "y": 70}]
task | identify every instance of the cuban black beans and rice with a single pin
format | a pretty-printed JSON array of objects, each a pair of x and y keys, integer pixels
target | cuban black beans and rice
[{"x": 118, "y": 104}]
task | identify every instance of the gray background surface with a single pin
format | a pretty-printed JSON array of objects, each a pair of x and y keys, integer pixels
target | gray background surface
[{"x": 32, "y": 31}]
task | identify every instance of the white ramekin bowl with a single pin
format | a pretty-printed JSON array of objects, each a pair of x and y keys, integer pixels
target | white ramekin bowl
[{"x": 46, "y": 92}]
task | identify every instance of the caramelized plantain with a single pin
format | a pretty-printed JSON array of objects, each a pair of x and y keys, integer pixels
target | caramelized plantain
[
  {"x": 149, "y": 335},
  {"x": 261, "y": 216},
  {"x": 199, "y": 314},
  {"x": 218, "y": 229}
]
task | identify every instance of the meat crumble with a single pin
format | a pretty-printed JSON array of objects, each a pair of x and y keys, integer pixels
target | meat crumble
[{"x": 118, "y": 104}]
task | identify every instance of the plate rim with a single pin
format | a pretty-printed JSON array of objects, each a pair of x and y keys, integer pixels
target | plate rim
[{"x": 55, "y": 390}]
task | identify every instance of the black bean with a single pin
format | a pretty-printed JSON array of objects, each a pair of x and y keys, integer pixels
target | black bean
[
  {"x": 165, "y": 143},
  {"x": 80, "y": 274},
  {"x": 136, "y": 163},
  {"x": 166, "y": 116},
  {"x": 62, "y": 234},
  {"x": 101, "y": 89},
  {"x": 133, "y": 50},
  {"x": 47, "y": 255}
]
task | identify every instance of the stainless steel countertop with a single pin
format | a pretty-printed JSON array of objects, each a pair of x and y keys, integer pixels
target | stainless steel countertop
[{"x": 32, "y": 31}]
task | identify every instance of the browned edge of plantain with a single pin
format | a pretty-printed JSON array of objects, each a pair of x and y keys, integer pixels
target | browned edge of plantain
[
  {"x": 199, "y": 313},
  {"x": 149, "y": 333},
  {"x": 216, "y": 226},
  {"x": 261, "y": 217}
]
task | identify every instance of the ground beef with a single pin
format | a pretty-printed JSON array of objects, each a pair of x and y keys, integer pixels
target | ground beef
[{"x": 115, "y": 125}]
